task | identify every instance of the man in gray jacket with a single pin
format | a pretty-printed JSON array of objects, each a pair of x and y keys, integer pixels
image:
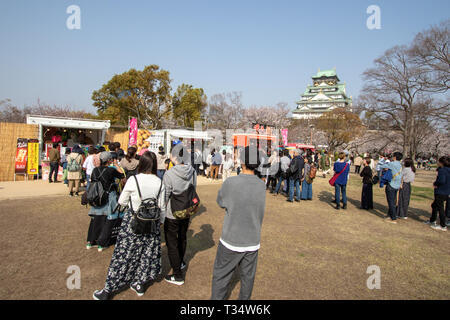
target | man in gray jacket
[
  {"x": 176, "y": 181},
  {"x": 244, "y": 198}
]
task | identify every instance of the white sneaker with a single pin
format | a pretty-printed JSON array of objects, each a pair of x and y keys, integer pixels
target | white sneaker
[
  {"x": 428, "y": 222},
  {"x": 435, "y": 227}
]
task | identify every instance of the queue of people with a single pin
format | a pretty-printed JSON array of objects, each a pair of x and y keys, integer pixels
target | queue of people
[{"x": 157, "y": 183}]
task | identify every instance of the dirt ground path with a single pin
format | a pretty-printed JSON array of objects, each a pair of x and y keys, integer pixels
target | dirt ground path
[{"x": 308, "y": 250}]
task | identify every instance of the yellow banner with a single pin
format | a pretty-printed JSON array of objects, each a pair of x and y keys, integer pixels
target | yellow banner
[{"x": 33, "y": 158}]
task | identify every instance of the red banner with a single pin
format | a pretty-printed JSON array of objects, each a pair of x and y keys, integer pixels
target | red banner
[
  {"x": 21, "y": 155},
  {"x": 133, "y": 129}
]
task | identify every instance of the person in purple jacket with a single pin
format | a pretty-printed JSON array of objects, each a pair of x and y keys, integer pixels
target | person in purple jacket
[{"x": 342, "y": 168}]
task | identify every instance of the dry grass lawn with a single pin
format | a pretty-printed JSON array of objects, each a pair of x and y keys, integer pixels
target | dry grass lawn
[{"x": 308, "y": 249}]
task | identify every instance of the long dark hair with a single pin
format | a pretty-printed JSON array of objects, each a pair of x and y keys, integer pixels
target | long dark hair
[
  {"x": 147, "y": 163},
  {"x": 409, "y": 163},
  {"x": 131, "y": 152}
]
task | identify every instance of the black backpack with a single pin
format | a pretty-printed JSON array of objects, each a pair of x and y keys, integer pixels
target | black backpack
[
  {"x": 97, "y": 196},
  {"x": 185, "y": 204},
  {"x": 146, "y": 218}
]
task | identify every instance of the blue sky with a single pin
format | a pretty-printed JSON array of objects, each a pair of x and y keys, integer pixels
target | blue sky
[{"x": 268, "y": 50}]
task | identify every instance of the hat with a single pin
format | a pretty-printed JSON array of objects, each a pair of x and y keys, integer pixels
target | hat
[{"x": 105, "y": 156}]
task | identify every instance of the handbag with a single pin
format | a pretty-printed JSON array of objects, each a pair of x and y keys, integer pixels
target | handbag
[
  {"x": 145, "y": 218},
  {"x": 185, "y": 204},
  {"x": 333, "y": 179}
]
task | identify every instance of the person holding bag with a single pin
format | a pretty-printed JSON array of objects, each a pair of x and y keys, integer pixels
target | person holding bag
[
  {"x": 136, "y": 259},
  {"x": 180, "y": 183},
  {"x": 339, "y": 181},
  {"x": 367, "y": 189},
  {"x": 102, "y": 196}
]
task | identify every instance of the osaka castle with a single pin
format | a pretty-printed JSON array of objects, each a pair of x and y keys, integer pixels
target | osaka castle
[{"x": 325, "y": 94}]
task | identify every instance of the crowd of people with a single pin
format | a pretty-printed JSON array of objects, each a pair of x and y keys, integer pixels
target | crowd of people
[{"x": 120, "y": 185}]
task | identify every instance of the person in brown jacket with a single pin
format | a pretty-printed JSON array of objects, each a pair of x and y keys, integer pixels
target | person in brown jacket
[
  {"x": 74, "y": 167},
  {"x": 54, "y": 158}
]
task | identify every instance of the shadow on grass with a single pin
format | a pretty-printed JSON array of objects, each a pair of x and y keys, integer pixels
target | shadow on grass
[
  {"x": 198, "y": 242},
  {"x": 380, "y": 210}
]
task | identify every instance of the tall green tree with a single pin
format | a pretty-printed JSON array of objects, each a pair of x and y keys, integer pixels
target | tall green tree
[
  {"x": 188, "y": 105},
  {"x": 142, "y": 94}
]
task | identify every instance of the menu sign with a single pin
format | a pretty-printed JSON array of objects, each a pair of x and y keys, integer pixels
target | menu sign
[{"x": 21, "y": 155}]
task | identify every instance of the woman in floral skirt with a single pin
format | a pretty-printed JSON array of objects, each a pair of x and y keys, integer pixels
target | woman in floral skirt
[{"x": 137, "y": 258}]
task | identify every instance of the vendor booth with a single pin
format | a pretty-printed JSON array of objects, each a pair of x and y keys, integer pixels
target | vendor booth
[
  {"x": 66, "y": 132},
  {"x": 153, "y": 139}
]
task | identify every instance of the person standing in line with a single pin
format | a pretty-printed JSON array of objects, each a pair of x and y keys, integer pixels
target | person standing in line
[
  {"x": 307, "y": 181},
  {"x": 64, "y": 164},
  {"x": 54, "y": 157},
  {"x": 98, "y": 234},
  {"x": 130, "y": 163},
  {"x": 358, "y": 162},
  {"x": 136, "y": 259},
  {"x": 409, "y": 173},
  {"x": 285, "y": 162},
  {"x": 227, "y": 167},
  {"x": 341, "y": 167},
  {"x": 237, "y": 161},
  {"x": 441, "y": 194},
  {"x": 367, "y": 189},
  {"x": 216, "y": 161},
  {"x": 392, "y": 186},
  {"x": 161, "y": 158},
  {"x": 296, "y": 176},
  {"x": 74, "y": 168},
  {"x": 382, "y": 161},
  {"x": 243, "y": 197},
  {"x": 176, "y": 181},
  {"x": 88, "y": 165}
]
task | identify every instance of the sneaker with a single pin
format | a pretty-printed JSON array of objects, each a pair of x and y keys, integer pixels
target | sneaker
[
  {"x": 431, "y": 223},
  {"x": 100, "y": 248},
  {"x": 337, "y": 208},
  {"x": 139, "y": 289},
  {"x": 289, "y": 200},
  {"x": 76, "y": 194},
  {"x": 101, "y": 295},
  {"x": 183, "y": 266},
  {"x": 391, "y": 221},
  {"x": 437, "y": 227},
  {"x": 71, "y": 194},
  {"x": 448, "y": 224},
  {"x": 296, "y": 200},
  {"x": 344, "y": 206},
  {"x": 174, "y": 280},
  {"x": 89, "y": 246}
]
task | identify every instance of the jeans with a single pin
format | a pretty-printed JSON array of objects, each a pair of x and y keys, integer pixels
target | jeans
[
  {"x": 88, "y": 181},
  {"x": 280, "y": 180},
  {"x": 306, "y": 190},
  {"x": 294, "y": 183},
  {"x": 64, "y": 168},
  {"x": 160, "y": 173},
  {"x": 54, "y": 166},
  {"x": 338, "y": 189},
  {"x": 175, "y": 232},
  {"x": 391, "y": 196}
]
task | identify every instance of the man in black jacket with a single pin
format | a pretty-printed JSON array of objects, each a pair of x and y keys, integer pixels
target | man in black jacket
[{"x": 295, "y": 172}]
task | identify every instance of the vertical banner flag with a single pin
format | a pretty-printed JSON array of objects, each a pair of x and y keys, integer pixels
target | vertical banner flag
[
  {"x": 284, "y": 135},
  {"x": 33, "y": 156},
  {"x": 133, "y": 132},
  {"x": 21, "y": 155}
]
